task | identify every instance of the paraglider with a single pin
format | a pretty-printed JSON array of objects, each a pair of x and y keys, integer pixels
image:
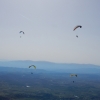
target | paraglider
[
  {"x": 21, "y": 32},
  {"x": 72, "y": 75},
  {"x": 32, "y": 66},
  {"x": 77, "y": 27}
]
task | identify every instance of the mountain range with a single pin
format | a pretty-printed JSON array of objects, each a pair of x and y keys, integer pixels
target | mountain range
[{"x": 51, "y": 66}]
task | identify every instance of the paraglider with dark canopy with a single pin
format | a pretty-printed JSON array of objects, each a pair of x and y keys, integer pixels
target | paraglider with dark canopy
[{"x": 77, "y": 27}]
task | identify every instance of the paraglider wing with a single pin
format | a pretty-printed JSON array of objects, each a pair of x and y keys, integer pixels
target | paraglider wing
[
  {"x": 73, "y": 75},
  {"x": 21, "y": 32},
  {"x": 77, "y": 27},
  {"x": 32, "y": 66}
]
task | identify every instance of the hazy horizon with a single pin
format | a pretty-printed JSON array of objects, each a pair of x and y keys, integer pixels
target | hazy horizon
[{"x": 6, "y": 60}]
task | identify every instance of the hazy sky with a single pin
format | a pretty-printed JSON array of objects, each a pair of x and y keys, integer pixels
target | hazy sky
[{"x": 48, "y": 27}]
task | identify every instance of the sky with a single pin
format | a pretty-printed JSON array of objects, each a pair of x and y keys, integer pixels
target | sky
[{"x": 48, "y": 27}]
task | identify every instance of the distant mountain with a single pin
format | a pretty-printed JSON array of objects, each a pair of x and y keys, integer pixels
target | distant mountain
[{"x": 59, "y": 67}]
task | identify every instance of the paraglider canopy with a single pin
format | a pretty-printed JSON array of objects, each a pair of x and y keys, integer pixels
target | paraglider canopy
[
  {"x": 77, "y": 27},
  {"x": 73, "y": 75},
  {"x": 32, "y": 66},
  {"x": 21, "y": 32}
]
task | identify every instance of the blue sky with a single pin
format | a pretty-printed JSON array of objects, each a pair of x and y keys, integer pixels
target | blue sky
[{"x": 48, "y": 27}]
